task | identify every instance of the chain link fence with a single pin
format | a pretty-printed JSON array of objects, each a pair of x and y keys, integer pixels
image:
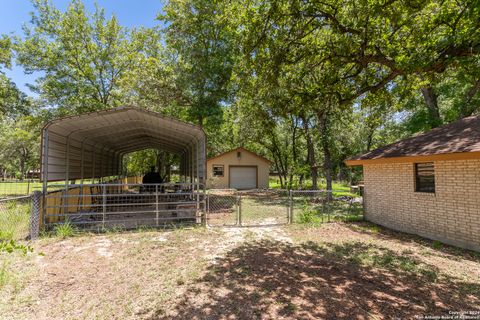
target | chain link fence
[
  {"x": 227, "y": 207},
  {"x": 264, "y": 207},
  {"x": 325, "y": 206},
  {"x": 222, "y": 207},
  {"x": 18, "y": 188},
  {"x": 15, "y": 218},
  {"x": 274, "y": 206}
]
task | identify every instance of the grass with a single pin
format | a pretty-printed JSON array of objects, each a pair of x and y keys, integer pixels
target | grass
[
  {"x": 263, "y": 210},
  {"x": 342, "y": 187},
  {"x": 373, "y": 255},
  {"x": 240, "y": 273},
  {"x": 309, "y": 211},
  {"x": 65, "y": 230},
  {"x": 22, "y": 188},
  {"x": 14, "y": 220},
  {"x": 18, "y": 188},
  {"x": 271, "y": 207}
]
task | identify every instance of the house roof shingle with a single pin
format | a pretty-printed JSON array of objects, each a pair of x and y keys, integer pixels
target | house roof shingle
[{"x": 457, "y": 137}]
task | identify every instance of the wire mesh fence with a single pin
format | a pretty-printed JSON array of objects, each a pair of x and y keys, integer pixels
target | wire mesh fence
[
  {"x": 222, "y": 207},
  {"x": 324, "y": 206},
  {"x": 264, "y": 207},
  {"x": 275, "y": 206},
  {"x": 135, "y": 205},
  {"x": 16, "y": 188},
  {"x": 15, "y": 218},
  {"x": 126, "y": 206}
]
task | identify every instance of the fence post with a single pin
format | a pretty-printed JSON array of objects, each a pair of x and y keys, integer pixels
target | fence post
[
  {"x": 239, "y": 208},
  {"x": 207, "y": 208},
  {"x": 104, "y": 204},
  {"x": 290, "y": 205},
  {"x": 35, "y": 215},
  {"x": 204, "y": 210},
  {"x": 156, "y": 205}
]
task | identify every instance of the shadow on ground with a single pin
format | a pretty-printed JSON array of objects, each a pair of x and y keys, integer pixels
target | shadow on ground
[
  {"x": 380, "y": 232},
  {"x": 276, "y": 280}
]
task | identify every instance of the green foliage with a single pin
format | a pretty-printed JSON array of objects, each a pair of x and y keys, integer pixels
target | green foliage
[
  {"x": 12, "y": 246},
  {"x": 65, "y": 230},
  {"x": 19, "y": 145},
  {"x": 5, "y": 51},
  {"x": 87, "y": 59},
  {"x": 437, "y": 245},
  {"x": 308, "y": 215},
  {"x": 307, "y": 84},
  {"x": 199, "y": 33},
  {"x": 14, "y": 221},
  {"x": 12, "y": 100}
]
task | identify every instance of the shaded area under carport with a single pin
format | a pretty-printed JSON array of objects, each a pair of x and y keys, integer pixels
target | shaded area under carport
[{"x": 90, "y": 147}]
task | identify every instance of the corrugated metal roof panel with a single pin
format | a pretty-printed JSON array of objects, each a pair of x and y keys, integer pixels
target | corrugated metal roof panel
[{"x": 112, "y": 133}]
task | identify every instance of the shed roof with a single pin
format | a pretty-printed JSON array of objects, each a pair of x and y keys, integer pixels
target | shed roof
[
  {"x": 242, "y": 149},
  {"x": 92, "y": 144},
  {"x": 462, "y": 136}
]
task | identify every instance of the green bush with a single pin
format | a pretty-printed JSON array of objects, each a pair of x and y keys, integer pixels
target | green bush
[
  {"x": 65, "y": 230},
  {"x": 11, "y": 246},
  {"x": 308, "y": 214}
]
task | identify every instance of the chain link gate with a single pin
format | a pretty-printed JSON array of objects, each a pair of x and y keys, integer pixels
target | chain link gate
[
  {"x": 223, "y": 207},
  {"x": 264, "y": 207},
  {"x": 230, "y": 207}
]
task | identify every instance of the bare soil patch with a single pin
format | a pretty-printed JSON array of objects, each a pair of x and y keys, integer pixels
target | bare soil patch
[{"x": 332, "y": 271}]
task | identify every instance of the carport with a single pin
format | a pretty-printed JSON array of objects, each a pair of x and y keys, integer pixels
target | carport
[{"x": 81, "y": 168}]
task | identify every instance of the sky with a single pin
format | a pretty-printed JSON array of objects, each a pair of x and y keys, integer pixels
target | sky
[{"x": 130, "y": 13}]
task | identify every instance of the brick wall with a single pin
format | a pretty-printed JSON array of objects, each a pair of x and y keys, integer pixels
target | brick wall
[{"x": 450, "y": 215}]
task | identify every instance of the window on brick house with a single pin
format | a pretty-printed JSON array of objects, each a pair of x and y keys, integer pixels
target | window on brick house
[
  {"x": 424, "y": 177},
  {"x": 217, "y": 170}
]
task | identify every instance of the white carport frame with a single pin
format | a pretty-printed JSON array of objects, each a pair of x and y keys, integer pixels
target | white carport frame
[{"x": 92, "y": 145}]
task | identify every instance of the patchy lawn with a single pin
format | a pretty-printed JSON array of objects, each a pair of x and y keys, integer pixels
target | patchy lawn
[{"x": 349, "y": 271}]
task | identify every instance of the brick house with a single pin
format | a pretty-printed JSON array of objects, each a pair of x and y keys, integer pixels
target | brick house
[{"x": 427, "y": 185}]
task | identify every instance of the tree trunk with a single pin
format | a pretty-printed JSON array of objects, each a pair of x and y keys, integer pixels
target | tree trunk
[
  {"x": 371, "y": 131},
  {"x": 327, "y": 155},
  {"x": 294, "y": 150},
  {"x": 430, "y": 98},
  {"x": 282, "y": 165},
  {"x": 466, "y": 110},
  {"x": 22, "y": 169},
  {"x": 279, "y": 174},
  {"x": 310, "y": 154}
]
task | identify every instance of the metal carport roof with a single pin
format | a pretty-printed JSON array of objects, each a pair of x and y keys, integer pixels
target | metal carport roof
[{"x": 92, "y": 145}]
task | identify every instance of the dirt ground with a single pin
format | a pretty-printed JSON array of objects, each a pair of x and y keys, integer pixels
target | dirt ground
[{"x": 331, "y": 271}]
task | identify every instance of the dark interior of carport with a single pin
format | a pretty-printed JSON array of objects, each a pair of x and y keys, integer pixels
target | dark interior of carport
[{"x": 81, "y": 169}]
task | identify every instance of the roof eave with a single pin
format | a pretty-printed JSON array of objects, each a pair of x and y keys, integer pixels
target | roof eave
[{"x": 418, "y": 158}]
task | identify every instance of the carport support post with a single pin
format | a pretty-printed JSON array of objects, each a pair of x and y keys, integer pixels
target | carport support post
[
  {"x": 156, "y": 205},
  {"x": 44, "y": 175},
  {"x": 67, "y": 177},
  {"x": 198, "y": 179},
  {"x": 104, "y": 205},
  {"x": 82, "y": 172}
]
